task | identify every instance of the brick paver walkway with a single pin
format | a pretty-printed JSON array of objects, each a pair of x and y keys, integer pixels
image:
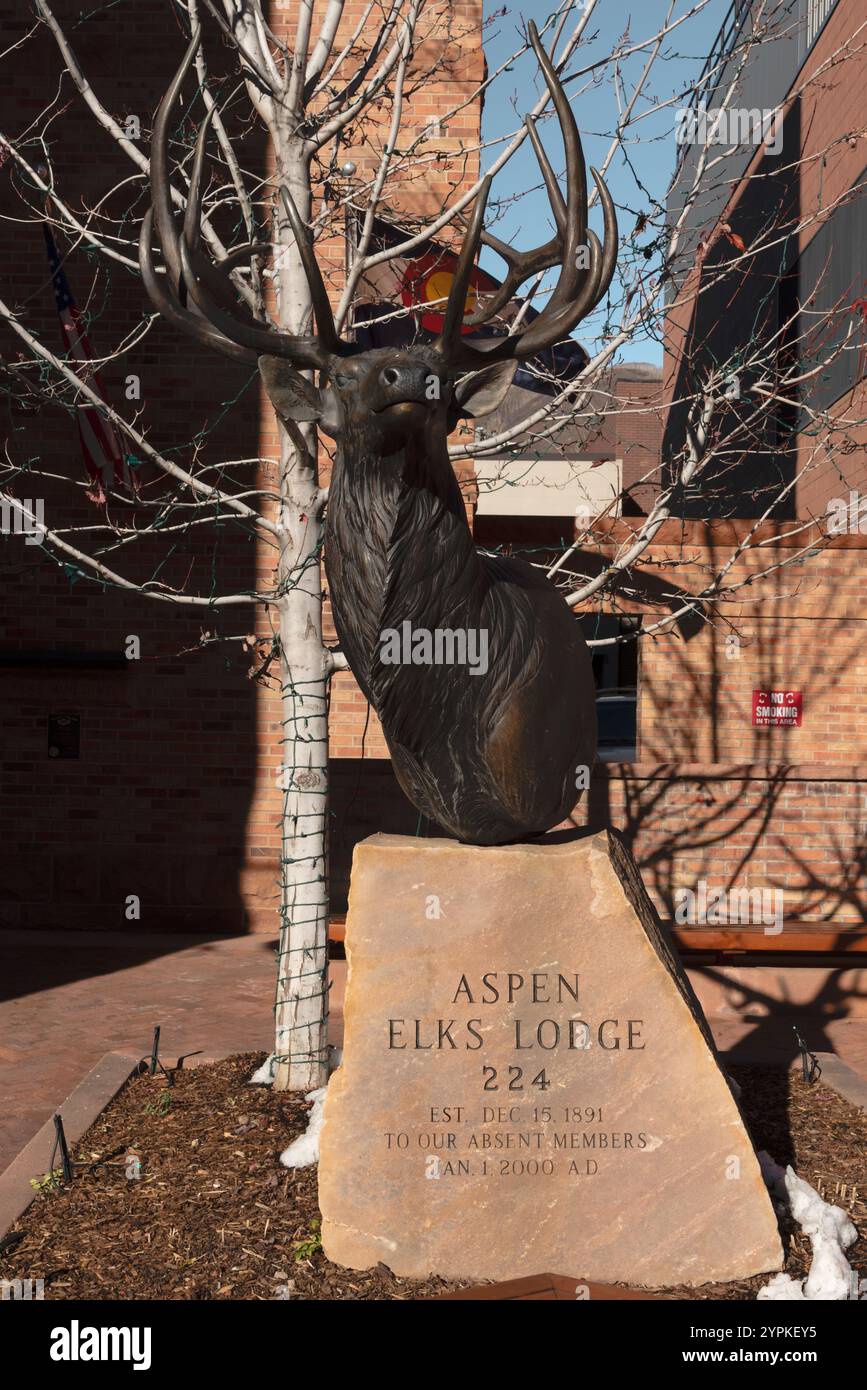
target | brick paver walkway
[{"x": 66, "y": 998}]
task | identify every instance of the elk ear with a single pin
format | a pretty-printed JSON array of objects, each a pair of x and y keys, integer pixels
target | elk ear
[
  {"x": 291, "y": 395},
  {"x": 482, "y": 392}
]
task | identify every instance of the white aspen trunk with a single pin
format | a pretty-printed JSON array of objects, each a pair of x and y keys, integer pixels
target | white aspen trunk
[{"x": 301, "y": 1009}]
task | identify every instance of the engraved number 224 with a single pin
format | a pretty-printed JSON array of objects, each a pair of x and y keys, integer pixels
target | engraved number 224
[{"x": 516, "y": 1079}]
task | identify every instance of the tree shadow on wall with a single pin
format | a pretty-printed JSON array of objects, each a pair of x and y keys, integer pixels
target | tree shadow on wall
[{"x": 758, "y": 817}]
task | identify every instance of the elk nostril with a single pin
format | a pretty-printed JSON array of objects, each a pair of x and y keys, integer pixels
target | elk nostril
[{"x": 390, "y": 377}]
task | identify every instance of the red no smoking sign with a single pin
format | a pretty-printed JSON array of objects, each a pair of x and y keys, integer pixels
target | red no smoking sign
[{"x": 777, "y": 707}]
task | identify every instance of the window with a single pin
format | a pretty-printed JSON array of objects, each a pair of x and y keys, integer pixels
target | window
[
  {"x": 615, "y": 671},
  {"x": 789, "y": 328},
  {"x": 817, "y": 13}
]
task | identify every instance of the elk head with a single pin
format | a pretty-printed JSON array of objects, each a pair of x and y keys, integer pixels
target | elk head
[{"x": 382, "y": 397}]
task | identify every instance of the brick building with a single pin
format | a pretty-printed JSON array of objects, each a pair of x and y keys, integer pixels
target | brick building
[
  {"x": 163, "y": 783},
  {"x": 771, "y": 245}
]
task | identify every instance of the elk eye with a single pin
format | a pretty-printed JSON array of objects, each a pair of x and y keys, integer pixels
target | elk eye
[{"x": 342, "y": 379}]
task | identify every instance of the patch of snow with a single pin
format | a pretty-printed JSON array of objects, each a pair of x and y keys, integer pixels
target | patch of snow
[
  {"x": 264, "y": 1075},
  {"x": 305, "y": 1149},
  {"x": 830, "y": 1231},
  {"x": 782, "y": 1288}
]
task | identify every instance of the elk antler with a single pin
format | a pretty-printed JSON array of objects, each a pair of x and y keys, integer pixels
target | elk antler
[
  {"x": 198, "y": 296},
  {"x": 213, "y": 316},
  {"x": 577, "y": 292}
]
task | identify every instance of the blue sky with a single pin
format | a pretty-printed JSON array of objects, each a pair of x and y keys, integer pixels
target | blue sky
[{"x": 634, "y": 180}]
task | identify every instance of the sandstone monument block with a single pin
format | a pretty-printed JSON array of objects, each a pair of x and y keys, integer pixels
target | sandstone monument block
[{"x": 528, "y": 1082}]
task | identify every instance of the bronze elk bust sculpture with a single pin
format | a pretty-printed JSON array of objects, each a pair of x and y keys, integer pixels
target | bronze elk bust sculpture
[{"x": 488, "y": 749}]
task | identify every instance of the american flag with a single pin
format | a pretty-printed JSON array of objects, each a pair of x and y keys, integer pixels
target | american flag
[{"x": 100, "y": 445}]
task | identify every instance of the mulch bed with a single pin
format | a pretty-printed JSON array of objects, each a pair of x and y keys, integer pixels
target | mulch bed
[{"x": 213, "y": 1215}]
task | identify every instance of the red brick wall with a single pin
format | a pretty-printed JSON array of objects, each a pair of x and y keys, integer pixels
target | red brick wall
[
  {"x": 156, "y": 804},
  {"x": 638, "y": 420},
  {"x": 174, "y": 796},
  {"x": 799, "y": 828},
  {"x": 800, "y": 627},
  {"x": 710, "y": 796}
]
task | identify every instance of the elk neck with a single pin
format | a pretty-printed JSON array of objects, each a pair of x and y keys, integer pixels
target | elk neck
[{"x": 397, "y": 543}]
